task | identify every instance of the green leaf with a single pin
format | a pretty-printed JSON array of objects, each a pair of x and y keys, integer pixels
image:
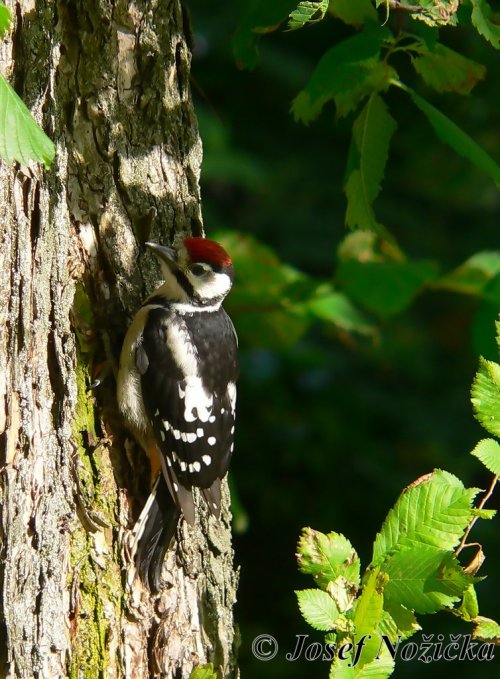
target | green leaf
[
  {"x": 449, "y": 133},
  {"x": 372, "y": 132},
  {"x": 385, "y": 287},
  {"x": 468, "y": 609},
  {"x": 486, "y": 514},
  {"x": 488, "y": 451},
  {"x": 486, "y": 396},
  {"x": 346, "y": 73},
  {"x": 318, "y": 609},
  {"x": 203, "y": 672},
  {"x": 485, "y": 23},
  {"x": 443, "y": 13},
  {"x": 472, "y": 277},
  {"x": 434, "y": 511},
  {"x": 486, "y": 630},
  {"x": 368, "y": 615},
  {"x": 334, "y": 307},
  {"x": 448, "y": 71},
  {"x": 398, "y": 621},
  {"x": 342, "y": 669},
  {"x": 258, "y": 299},
  {"x": 307, "y": 12},
  {"x": 359, "y": 212},
  {"x": 5, "y": 19},
  {"x": 259, "y": 17},
  {"x": 21, "y": 138},
  {"x": 424, "y": 578},
  {"x": 353, "y": 12},
  {"x": 326, "y": 557},
  {"x": 379, "y": 668}
]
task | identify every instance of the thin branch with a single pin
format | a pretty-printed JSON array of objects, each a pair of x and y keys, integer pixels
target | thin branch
[{"x": 471, "y": 524}]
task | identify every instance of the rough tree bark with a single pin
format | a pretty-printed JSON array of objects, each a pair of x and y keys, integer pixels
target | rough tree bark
[{"x": 109, "y": 81}]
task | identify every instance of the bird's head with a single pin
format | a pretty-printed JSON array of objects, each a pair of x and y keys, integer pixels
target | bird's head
[{"x": 197, "y": 272}]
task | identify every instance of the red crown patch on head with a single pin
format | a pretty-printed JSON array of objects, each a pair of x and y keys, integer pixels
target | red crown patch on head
[{"x": 205, "y": 250}]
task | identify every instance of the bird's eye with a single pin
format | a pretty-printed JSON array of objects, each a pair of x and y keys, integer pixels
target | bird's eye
[{"x": 198, "y": 269}]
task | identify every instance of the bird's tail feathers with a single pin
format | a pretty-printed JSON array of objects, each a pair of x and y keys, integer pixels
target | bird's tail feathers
[{"x": 153, "y": 534}]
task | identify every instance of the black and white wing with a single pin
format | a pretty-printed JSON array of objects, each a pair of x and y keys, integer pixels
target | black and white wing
[{"x": 189, "y": 369}]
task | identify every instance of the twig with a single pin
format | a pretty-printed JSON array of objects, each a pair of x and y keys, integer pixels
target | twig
[{"x": 471, "y": 524}]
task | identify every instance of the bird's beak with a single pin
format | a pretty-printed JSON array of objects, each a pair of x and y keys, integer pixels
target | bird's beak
[{"x": 166, "y": 255}]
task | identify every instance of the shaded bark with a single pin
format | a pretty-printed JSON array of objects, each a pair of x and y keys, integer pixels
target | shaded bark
[{"x": 110, "y": 83}]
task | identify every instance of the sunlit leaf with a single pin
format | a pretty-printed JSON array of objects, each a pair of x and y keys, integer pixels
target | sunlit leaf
[
  {"x": 448, "y": 71},
  {"x": 486, "y": 630},
  {"x": 433, "y": 511},
  {"x": 484, "y": 21},
  {"x": 486, "y": 396},
  {"x": 367, "y": 616},
  {"x": 5, "y": 19},
  {"x": 21, "y": 139},
  {"x": 424, "y": 578},
  {"x": 325, "y": 557},
  {"x": 473, "y": 276},
  {"x": 443, "y": 13},
  {"x": 488, "y": 451},
  {"x": 203, "y": 672},
  {"x": 307, "y": 12},
  {"x": 318, "y": 609}
]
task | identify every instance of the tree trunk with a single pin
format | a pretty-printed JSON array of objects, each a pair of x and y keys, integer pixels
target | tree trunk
[{"x": 109, "y": 81}]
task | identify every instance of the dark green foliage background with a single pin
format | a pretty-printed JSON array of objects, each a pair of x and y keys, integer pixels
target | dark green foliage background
[{"x": 331, "y": 428}]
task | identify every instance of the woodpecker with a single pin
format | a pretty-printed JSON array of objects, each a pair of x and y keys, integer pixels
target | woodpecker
[{"x": 176, "y": 390}]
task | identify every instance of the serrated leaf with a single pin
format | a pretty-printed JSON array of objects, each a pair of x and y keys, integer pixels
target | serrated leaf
[
  {"x": 372, "y": 132},
  {"x": 443, "y": 13},
  {"x": 488, "y": 451},
  {"x": 486, "y": 396},
  {"x": 434, "y": 511},
  {"x": 307, "y": 12},
  {"x": 346, "y": 73},
  {"x": 379, "y": 668},
  {"x": 5, "y": 19},
  {"x": 203, "y": 672},
  {"x": 353, "y": 12},
  {"x": 486, "y": 514},
  {"x": 449, "y": 133},
  {"x": 318, "y": 609},
  {"x": 448, "y": 71},
  {"x": 359, "y": 212},
  {"x": 468, "y": 609},
  {"x": 326, "y": 557},
  {"x": 482, "y": 20},
  {"x": 398, "y": 621},
  {"x": 385, "y": 287},
  {"x": 486, "y": 630},
  {"x": 424, "y": 578},
  {"x": 21, "y": 139},
  {"x": 342, "y": 669}
]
